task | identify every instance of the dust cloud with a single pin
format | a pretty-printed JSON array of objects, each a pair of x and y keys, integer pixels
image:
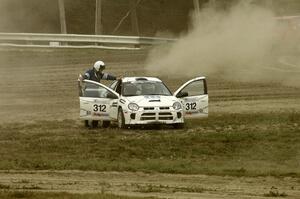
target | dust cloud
[
  {"x": 29, "y": 16},
  {"x": 245, "y": 43}
]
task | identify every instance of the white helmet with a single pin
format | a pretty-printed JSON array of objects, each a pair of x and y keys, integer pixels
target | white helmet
[{"x": 99, "y": 65}]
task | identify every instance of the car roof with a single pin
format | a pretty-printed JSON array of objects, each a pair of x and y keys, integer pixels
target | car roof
[{"x": 135, "y": 79}]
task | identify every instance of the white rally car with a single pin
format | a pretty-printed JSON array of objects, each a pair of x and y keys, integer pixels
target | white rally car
[{"x": 142, "y": 100}]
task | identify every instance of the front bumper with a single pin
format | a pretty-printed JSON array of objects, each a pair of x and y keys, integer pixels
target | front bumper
[{"x": 154, "y": 115}]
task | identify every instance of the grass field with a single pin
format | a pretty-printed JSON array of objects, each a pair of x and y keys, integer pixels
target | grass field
[{"x": 226, "y": 144}]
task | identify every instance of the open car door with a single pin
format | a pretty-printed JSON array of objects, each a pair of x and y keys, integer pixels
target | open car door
[
  {"x": 194, "y": 97},
  {"x": 97, "y": 101}
]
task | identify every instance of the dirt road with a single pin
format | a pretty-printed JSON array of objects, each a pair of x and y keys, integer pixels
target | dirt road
[{"x": 159, "y": 185}]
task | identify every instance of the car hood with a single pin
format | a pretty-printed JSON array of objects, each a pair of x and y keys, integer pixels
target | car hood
[{"x": 153, "y": 100}]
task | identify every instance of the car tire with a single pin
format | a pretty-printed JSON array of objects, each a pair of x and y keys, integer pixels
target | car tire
[
  {"x": 121, "y": 119},
  {"x": 86, "y": 123},
  {"x": 105, "y": 124},
  {"x": 178, "y": 125},
  {"x": 94, "y": 124}
]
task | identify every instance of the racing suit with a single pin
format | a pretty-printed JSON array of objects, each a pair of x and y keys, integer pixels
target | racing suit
[{"x": 94, "y": 76}]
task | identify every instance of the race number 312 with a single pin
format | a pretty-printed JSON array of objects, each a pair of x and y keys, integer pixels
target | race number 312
[
  {"x": 100, "y": 108},
  {"x": 190, "y": 106}
]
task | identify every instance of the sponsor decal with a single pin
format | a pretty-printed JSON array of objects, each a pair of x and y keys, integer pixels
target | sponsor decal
[
  {"x": 114, "y": 104},
  {"x": 100, "y": 114},
  {"x": 195, "y": 112},
  {"x": 122, "y": 101},
  {"x": 86, "y": 112}
]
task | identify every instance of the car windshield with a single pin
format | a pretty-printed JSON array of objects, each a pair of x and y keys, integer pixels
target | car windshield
[{"x": 145, "y": 88}]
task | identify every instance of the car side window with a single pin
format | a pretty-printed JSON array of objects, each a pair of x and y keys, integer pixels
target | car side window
[
  {"x": 195, "y": 88},
  {"x": 95, "y": 91}
]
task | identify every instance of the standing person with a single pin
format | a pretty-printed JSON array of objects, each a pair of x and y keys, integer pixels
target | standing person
[{"x": 96, "y": 73}]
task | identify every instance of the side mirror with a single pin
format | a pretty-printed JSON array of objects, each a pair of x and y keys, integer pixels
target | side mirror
[
  {"x": 111, "y": 96},
  {"x": 182, "y": 94}
]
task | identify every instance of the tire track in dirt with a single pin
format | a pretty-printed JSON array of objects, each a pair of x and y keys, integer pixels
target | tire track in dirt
[{"x": 157, "y": 185}]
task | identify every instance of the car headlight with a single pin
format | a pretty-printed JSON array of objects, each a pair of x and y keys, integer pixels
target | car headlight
[
  {"x": 133, "y": 107},
  {"x": 177, "y": 106}
]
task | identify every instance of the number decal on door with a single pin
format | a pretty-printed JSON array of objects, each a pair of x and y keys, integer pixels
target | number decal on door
[
  {"x": 190, "y": 106},
  {"x": 100, "y": 108}
]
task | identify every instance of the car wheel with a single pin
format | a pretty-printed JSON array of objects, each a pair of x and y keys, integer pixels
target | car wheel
[
  {"x": 121, "y": 119},
  {"x": 94, "y": 123},
  {"x": 178, "y": 125},
  {"x": 105, "y": 124}
]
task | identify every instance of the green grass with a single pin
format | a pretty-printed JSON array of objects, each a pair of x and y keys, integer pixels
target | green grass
[
  {"x": 223, "y": 144},
  {"x": 37, "y": 195}
]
